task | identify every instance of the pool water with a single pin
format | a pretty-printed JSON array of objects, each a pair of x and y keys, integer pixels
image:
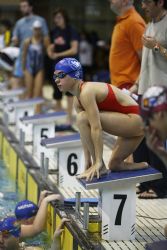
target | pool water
[{"x": 9, "y": 196}]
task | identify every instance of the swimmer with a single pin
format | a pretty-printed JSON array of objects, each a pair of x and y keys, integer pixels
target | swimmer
[
  {"x": 101, "y": 107},
  {"x": 154, "y": 113},
  {"x": 10, "y": 233}
]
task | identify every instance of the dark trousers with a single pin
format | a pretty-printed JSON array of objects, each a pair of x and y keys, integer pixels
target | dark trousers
[{"x": 143, "y": 153}]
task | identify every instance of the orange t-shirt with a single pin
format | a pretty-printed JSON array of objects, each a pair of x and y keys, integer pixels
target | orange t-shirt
[{"x": 126, "y": 40}]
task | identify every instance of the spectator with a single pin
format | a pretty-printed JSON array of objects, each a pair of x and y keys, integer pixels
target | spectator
[
  {"x": 153, "y": 71},
  {"x": 86, "y": 55},
  {"x": 33, "y": 63},
  {"x": 126, "y": 44},
  {"x": 65, "y": 43},
  {"x": 23, "y": 30},
  {"x": 5, "y": 34}
]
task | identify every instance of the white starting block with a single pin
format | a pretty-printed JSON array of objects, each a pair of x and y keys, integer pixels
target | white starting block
[
  {"x": 43, "y": 126},
  {"x": 16, "y": 110},
  {"x": 9, "y": 96},
  {"x": 4, "y": 85},
  {"x": 118, "y": 201},
  {"x": 70, "y": 157}
]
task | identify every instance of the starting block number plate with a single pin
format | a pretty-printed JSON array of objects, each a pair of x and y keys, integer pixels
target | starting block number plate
[{"x": 71, "y": 163}]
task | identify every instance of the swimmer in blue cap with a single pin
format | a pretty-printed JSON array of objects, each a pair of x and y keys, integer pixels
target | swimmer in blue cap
[
  {"x": 153, "y": 109},
  {"x": 26, "y": 211},
  {"x": 154, "y": 113},
  {"x": 9, "y": 233},
  {"x": 10, "y": 225},
  {"x": 101, "y": 107}
]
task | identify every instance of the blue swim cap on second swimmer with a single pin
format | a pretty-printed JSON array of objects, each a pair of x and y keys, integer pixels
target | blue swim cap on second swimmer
[
  {"x": 25, "y": 209},
  {"x": 70, "y": 66},
  {"x": 9, "y": 225}
]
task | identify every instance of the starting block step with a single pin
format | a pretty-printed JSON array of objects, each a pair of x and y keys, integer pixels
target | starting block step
[
  {"x": 122, "y": 177},
  {"x": 117, "y": 201},
  {"x": 93, "y": 202},
  {"x": 43, "y": 118},
  {"x": 9, "y": 96},
  {"x": 12, "y": 93},
  {"x": 59, "y": 141},
  {"x": 18, "y": 109},
  {"x": 26, "y": 103}
]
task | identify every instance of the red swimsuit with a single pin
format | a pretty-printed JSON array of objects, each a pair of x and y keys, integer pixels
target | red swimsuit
[{"x": 110, "y": 103}]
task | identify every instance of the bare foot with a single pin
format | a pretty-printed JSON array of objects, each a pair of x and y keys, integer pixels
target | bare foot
[
  {"x": 150, "y": 194},
  {"x": 129, "y": 166}
]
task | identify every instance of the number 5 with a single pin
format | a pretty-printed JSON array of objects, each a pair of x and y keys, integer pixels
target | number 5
[{"x": 43, "y": 135}]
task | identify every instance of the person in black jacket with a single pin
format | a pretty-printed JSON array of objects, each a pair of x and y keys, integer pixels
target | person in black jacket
[{"x": 64, "y": 43}]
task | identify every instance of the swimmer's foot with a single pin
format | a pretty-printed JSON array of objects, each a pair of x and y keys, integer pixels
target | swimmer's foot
[{"x": 130, "y": 166}]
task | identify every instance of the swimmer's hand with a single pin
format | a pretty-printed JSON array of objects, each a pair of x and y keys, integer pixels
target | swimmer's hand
[
  {"x": 155, "y": 143},
  {"x": 60, "y": 228},
  {"x": 53, "y": 197},
  {"x": 92, "y": 172}
]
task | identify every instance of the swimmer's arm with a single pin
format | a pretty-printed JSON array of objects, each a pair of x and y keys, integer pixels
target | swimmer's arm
[
  {"x": 87, "y": 155},
  {"x": 155, "y": 144},
  {"x": 77, "y": 105},
  {"x": 90, "y": 106},
  {"x": 40, "y": 219},
  {"x": 56, "y": 244}
]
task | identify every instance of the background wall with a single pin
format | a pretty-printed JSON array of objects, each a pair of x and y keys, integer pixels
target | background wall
[{"x": 89, "y": 14}]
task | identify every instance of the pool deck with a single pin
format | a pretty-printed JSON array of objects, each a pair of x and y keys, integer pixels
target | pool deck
[{"x": 151, "y": 214}]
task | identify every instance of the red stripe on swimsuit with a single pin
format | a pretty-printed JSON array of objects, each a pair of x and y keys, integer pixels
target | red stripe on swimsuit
[{"x": 110, "y": 103}]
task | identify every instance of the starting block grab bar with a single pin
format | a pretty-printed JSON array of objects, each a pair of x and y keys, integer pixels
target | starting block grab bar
[{"x": 117, "y": 201}]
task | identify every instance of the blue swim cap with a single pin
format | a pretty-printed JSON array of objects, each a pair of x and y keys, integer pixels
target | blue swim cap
[
  {"x": 25, "y": 209},
  {"x": 70, "y": 66},
  {"x": 8, "y": 225}
]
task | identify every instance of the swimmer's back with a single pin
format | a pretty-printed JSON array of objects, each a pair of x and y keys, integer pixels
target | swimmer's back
[{"x": 101, "y": 91}]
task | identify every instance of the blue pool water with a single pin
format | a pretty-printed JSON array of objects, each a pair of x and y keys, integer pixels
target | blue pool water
[{"x": 9, "y": 196}]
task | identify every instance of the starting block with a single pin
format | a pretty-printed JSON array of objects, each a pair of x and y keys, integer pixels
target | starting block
[
  {"x": 9, "y": 96},
  {"x": 117, "y": 203},
  {"x": 43, "y": 126},
  {"x": 16, "y": 110},
  {"x": 70, "y": 157}
]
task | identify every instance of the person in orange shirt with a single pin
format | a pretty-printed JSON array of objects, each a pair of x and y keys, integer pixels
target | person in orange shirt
[{"x": 126, "y": 44}]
